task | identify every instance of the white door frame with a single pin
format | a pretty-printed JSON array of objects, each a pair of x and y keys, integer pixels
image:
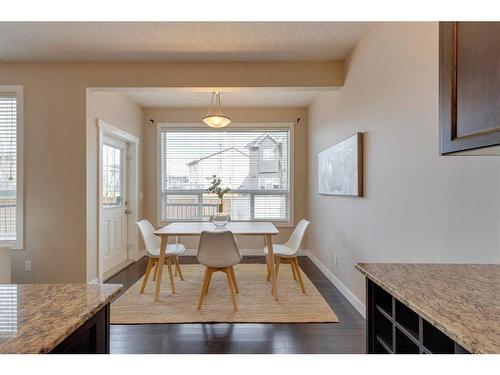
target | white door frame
[{"x": 132, "y": 165}]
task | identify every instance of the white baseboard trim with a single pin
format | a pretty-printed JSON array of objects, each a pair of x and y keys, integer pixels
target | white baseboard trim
[
  {"x": 244, "y": 252},
  {"x": 113, "y": 271},
  {"x": 94, "y": 282},
  {"x": 139, "y": 255},
  {"x": 358, "y": 305}
]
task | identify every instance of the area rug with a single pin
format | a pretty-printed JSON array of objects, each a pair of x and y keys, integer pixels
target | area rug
[{"x": 255, "y": 301}]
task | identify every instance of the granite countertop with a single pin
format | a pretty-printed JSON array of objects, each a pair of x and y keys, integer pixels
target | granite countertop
[
  {"x": 35, "y": 318},
  {"x": 461, "y": 300}
]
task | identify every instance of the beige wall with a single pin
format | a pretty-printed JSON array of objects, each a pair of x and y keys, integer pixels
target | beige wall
[
  {"x": 55, "y": 141},
  {"x": 250, "y": 115},
  {"x": 419, "y": 206},
  {"x": 120, "y": 111}
]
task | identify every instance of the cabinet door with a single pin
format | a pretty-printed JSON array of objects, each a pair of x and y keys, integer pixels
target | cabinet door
[{"x": 469, "y": 85}]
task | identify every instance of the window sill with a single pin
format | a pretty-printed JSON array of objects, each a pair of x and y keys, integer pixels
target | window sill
[
  {"x": 14, "y": 245},
  {"x": 277, "y": 224}
]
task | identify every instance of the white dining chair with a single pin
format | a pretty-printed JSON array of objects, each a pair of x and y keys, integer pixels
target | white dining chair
[
  {"x": 288, "y": 252},
  {"x": 153, "y": 243},
  {"x": 218, "y": 251}
]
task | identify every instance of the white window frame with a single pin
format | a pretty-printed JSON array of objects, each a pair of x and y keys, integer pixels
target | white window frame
[
  {"x": 18, "y": 244},
  {"x": 250, "y": 126}
]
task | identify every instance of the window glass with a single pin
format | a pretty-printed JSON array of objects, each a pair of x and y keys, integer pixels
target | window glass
[{"x": 251, "y": 163}]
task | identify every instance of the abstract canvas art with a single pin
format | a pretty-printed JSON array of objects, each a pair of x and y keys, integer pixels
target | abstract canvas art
[{"x": 340, "y": 168}]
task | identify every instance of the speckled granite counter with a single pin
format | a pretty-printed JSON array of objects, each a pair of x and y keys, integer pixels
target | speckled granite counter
[
  {"x": 461, "y": 300},
  {"x": 36, "y": 318}
]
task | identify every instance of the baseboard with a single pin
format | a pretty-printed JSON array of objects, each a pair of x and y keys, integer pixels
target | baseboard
[
  {"x": 93, "y": 282},
  {"x": 357, "y": 304},
  {"x": 244, "y": 252},
  {"x": 113, "y": 271},
  {"x": 139, "y": 255}
]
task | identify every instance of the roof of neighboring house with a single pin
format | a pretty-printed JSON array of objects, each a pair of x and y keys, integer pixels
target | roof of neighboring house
[
  {"x": 260, "y": 138},
  {"x": 215, "y": 154}
]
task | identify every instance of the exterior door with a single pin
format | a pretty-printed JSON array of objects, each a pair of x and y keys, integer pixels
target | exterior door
[{"x": 113, "y": 230}]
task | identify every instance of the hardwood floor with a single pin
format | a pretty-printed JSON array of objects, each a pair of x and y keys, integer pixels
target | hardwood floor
[{"x": 348, "y": 336}]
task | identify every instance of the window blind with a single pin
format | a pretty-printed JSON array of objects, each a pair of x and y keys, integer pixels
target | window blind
[
  {"x": 9, "y": 314},
  {"x": 254, "y": 164},
  {"x": 8, "y": 166}
]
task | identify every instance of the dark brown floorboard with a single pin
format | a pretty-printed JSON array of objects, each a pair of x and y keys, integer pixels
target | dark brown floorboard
[{"x": 348, "y": 336}]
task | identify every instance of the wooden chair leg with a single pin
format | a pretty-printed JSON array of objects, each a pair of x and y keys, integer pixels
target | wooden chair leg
[
  {"x": 299, "y": 276},
  {"x": 277, "y": 260},
  {"x": 293, "y": 271},
  {"x": 231, "y": 287},
  {"x": 146, "y": 275},
  {"x": 156, "y": 270},
  {"x": 170, "y": 275},
  {"x": 178, "y": 267},
  {"x": 233, "y": 277},
  {"x": 209, "y": 278},
  {"x": 203, "y": 288}
]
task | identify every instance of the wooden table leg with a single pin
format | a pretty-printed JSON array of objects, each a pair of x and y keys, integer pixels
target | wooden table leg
[
  {"x": 161, "y": 262},
  {"x": 272, "y": 266},
  {"x": 268, "y": 278},
  {"x": 170, "y": 274}
]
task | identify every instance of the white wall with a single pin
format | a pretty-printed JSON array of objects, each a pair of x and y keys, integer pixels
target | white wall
[
  {"x": 419, "y": 206},
  {"x": 120, "y": 111}
]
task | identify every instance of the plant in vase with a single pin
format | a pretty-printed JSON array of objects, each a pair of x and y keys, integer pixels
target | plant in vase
[{"x": 220, "y": 218}]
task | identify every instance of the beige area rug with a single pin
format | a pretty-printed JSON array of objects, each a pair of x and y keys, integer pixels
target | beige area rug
[{"x": 255, "y": 302}]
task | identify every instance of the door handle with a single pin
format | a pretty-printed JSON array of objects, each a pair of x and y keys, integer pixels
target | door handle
[{"x": 128, "y": 211}]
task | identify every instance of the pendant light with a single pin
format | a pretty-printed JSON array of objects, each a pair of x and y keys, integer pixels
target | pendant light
[{"x": 217, "y": 119}]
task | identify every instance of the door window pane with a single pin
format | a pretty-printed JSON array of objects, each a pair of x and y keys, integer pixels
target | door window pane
[{"x": 112, "y": 176}]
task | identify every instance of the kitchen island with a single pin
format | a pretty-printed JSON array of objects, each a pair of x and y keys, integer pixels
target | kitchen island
[
  {"x": 432, "y": 308},
  {"x": 55, "y": 318}
]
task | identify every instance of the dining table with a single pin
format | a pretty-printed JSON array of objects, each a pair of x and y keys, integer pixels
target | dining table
[{"x": 251, "y": 228}]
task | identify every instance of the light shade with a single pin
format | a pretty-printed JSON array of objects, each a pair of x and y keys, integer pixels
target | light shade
[
  {"x": 215, "y": 118},
  {"x": 217, "y": 121}
]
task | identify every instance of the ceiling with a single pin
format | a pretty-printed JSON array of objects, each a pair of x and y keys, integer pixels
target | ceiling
[
  {"x": 178, "y": 41},
  {"x": 230, "y": 98}
]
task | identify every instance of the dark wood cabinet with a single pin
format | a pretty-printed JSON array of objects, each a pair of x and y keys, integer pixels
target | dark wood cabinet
[
  {"x": 469, "y": 85},
  {"x": 393, "y": 328},
  {"x": 91, "y": 338}
]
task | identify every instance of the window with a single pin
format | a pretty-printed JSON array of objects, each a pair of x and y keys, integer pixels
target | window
[
  {"x": 112, "y": 176},
  {"x": 267, "y": 183},
  {"x": 11, "y": 227},
  {"x": 253, "y": 163}
]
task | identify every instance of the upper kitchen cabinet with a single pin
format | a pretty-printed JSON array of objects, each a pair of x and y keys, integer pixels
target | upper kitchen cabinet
[{"x": 469, "y": 85}]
